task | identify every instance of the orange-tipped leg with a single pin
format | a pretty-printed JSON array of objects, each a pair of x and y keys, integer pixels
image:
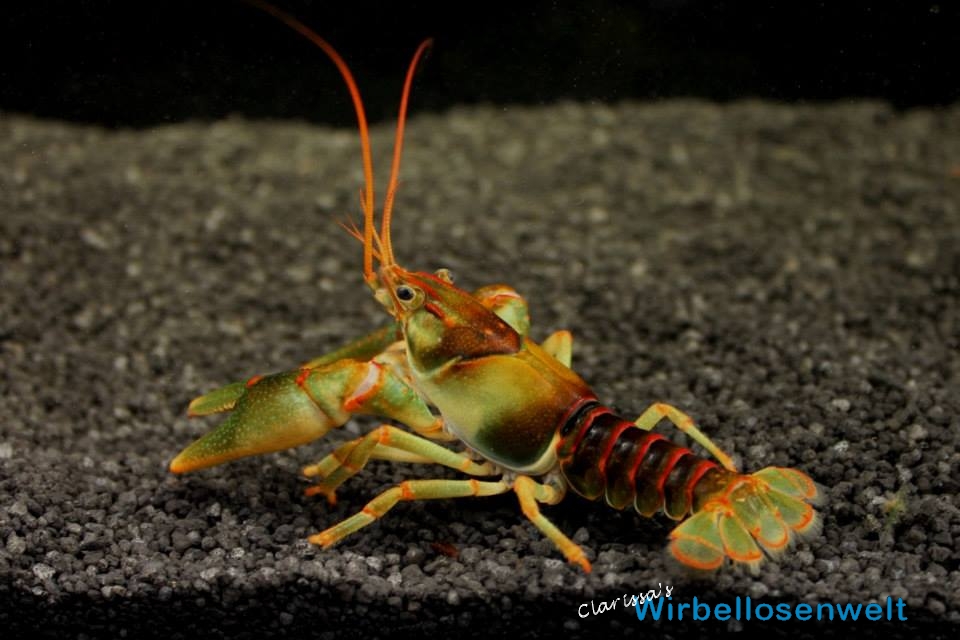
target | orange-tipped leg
[
  {"x": 409, "y": 490},
  {"x": 752, "y": 518},
  {"x": 658, "y": 411},
  {"x": 530, "y": 492},
  {"x": 385, "y": 443}
]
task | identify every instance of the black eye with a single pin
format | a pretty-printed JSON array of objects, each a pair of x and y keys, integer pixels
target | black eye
[{"x": 404, "y": 293}]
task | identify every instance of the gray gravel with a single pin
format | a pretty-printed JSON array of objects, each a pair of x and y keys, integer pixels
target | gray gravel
[{"x": 787, "y": 275}]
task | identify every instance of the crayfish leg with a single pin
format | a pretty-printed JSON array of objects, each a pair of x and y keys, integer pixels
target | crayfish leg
[
  {"x": 559, "y": 344},
  {"x": 364, "y": 348},
  {"x": 530, "y": 492},
  {"x": 386, "y": 442},
  {"x": 658, "y": 411},
  {"x": 509, "y": 306},
  {"x": 407, "y": 491}
]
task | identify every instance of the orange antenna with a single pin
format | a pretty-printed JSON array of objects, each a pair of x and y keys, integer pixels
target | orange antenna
[
  {"x": 397, "y": 151},
  {"x": 366, "y": 201}
]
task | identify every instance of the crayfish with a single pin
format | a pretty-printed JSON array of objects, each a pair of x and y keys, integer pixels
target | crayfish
[{"x": 455, "y": 365}]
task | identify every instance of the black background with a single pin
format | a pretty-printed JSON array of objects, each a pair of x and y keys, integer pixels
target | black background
[{"x": 122, "y": 62}]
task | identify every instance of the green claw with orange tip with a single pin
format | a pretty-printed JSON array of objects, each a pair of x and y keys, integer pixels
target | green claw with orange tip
[
  {"x": 752, "y": 518},
  {"x": 272, "y": 414},
  {"x": 284, "y": 410}
]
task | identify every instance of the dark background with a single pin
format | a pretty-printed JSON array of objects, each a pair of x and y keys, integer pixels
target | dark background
[{"x": 123, "y": 63}]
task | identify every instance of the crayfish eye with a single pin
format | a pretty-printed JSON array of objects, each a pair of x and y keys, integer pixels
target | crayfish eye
[{"x": 405, "y": 293}]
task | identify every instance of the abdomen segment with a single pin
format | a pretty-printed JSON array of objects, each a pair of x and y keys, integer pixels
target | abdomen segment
[{"x": 603, "y": 454}]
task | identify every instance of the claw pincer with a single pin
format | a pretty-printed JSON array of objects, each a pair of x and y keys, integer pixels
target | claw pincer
[{"x": 272, "y": 414}]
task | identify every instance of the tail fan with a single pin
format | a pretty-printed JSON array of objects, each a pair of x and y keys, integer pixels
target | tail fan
[{"x": 749, "y": 519}]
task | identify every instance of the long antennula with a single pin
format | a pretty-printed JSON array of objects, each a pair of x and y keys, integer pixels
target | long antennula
[
  {"x": 397, "y": 152},
  {"x": 367, "y": 201}
]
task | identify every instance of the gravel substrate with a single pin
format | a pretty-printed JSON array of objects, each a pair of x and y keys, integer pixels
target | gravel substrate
[{"x": 786, "y": 274}]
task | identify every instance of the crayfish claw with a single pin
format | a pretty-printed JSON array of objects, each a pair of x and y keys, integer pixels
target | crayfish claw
[{"x": 218, "y": 401}]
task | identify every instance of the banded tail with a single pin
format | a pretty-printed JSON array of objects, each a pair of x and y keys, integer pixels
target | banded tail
[{"x": 746, "y": 518}]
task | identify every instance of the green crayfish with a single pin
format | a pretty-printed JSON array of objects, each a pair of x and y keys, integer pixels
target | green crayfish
[{"x": 455, "y": 365}]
